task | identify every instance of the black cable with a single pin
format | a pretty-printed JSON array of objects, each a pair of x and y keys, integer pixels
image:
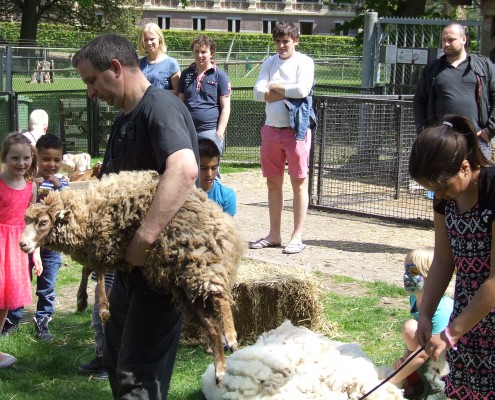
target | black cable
[{"x": 394, "y": 373}]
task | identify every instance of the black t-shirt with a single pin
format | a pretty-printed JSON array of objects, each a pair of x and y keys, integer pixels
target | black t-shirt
[
  {"x": 455, "y": 92},
  {"x": 143, "y": 139}
]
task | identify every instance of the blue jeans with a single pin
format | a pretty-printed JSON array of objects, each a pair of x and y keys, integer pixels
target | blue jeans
[{"x": 45, "y": 286}]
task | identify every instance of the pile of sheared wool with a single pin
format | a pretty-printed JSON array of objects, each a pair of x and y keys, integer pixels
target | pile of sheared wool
[{"x": 294, "y": 363}]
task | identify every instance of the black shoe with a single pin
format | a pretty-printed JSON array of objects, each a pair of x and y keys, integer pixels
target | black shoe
[
  {"x": 94, "y": 368},
  {"x": 41, "y": 327},
  {"x": 9, "y": 328}
]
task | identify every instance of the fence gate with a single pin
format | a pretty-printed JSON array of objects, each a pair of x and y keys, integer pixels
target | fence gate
[{"x": 404, "y": 46}]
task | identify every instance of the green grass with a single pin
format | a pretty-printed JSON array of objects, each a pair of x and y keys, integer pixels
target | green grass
[{"x": 49, "y": 370}]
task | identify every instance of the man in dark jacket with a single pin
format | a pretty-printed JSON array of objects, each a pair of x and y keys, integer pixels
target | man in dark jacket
[{"x": 457, "y": 83}]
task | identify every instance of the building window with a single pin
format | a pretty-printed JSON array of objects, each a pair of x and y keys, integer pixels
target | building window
[
  {"x": 164, "y": 22},
  {"x": 233, "y": 25},
  {"x": 338, "y": 29},
  {"x": 199, "y": 24},
  {"x": 268, "y": 26},
  {"x": 306, "y": 28},
  {"x": 99, "y": 16}
]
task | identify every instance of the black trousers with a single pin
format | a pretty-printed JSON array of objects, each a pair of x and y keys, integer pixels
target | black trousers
[{"x": 141, "y": 338}]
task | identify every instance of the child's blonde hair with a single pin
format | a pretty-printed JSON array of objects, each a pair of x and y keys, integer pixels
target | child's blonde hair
[
  {"x": 18, "y": 138},
  {"x": 421, "y": 258}
]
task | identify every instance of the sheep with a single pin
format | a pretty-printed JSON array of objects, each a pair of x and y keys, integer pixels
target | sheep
[
  {"x": 296, "y": 363},
  {"x": 75, "y": 162},
  {"x": 87, "y": 175},
  {"x": 195, "y": 259}
]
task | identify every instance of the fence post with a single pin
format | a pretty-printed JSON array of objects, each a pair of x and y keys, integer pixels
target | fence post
[
  {"x": 2, "y": 55},
  {"x": 8, "y": 69},
  {"x": 369, "y": 40}
]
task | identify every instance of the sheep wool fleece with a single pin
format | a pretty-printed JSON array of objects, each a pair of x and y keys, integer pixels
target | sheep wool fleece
[{"x": 294, "y": 363}]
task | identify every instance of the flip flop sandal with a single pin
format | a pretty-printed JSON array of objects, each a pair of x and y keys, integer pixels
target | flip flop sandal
[
  {"x": 262, "y": 243},
  {"x": 294, "y": 248}
]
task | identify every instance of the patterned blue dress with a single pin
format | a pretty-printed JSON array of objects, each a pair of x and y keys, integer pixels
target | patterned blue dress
[{"x": 472, "y": 367}]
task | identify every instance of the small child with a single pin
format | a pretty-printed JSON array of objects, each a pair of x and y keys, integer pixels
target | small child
[
  {"x": 49, "y": 161},
  {"x": 16, "y": 193},
  {"x": 417, "y": 265},
  {"x": 209, "y": 156},
  {"x": 209, "y": 161}
]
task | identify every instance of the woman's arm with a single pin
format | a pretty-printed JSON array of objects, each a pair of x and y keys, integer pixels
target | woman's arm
[
  {"x": 479, "y": 306},
  {"x": 174, "y": 81},
  {"x": 439, "y": 276}
]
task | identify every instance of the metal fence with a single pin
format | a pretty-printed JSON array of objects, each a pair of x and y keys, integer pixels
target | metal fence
[
  {"x": 22, "y": 68},
  {"x": 360, "y": 158},
  {"x": 421, "y": 36}
]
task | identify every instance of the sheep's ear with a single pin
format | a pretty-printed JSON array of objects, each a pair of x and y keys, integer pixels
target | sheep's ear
[{"x": 63, "y": 215}]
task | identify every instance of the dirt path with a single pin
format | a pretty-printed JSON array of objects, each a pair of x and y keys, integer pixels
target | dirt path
[{"x": 338, "y": 244}]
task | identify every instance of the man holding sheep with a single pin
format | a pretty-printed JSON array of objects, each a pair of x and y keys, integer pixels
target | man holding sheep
[{"x": 154, "y": 132}]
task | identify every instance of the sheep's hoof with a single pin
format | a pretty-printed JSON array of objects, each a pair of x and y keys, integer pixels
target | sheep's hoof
[
  {"x": 219, "y": 378},
  {"x": 233, "y": 346},
  {"x": 82, "y": 304},
  {"x": 104, "y": 316}
]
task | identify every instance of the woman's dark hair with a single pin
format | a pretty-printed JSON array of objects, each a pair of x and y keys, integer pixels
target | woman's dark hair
[
  {"x": 204, "y": 40},
  {"x": 438, "y": 151}
]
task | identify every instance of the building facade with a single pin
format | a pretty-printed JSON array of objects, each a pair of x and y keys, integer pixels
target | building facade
[{"x": 256, "y": 16}]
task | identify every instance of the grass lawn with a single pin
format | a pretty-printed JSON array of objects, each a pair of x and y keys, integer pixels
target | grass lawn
[{"x": 48, "y": 370}]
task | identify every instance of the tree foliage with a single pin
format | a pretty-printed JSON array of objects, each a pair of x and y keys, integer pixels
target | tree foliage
[
  {"x": 440, "y": 9},
  {"x": 94, "y": 15}
]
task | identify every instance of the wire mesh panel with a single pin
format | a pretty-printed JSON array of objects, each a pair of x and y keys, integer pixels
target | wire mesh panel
[{"x": 360, "y": 158}]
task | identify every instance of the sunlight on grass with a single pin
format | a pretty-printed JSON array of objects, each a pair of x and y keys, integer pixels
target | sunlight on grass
[{"x": 50, "y": 369}]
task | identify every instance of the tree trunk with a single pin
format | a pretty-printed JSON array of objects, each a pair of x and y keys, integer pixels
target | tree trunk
[
  {"x": 29, "y": 23},
  {"x": 411, "y": 8}
]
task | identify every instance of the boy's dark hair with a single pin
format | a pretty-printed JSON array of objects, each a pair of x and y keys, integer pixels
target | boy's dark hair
[
  {"x": 104, "y": 48},
  {"x": 204, "y": 40},
  {"x": 208, "y": 148},
  {"x": 284, "y": 28},
  {"x": 49, "y": 141}
]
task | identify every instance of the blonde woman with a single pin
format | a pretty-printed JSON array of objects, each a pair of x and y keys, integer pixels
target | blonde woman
[{"x": 161, "y": 70}]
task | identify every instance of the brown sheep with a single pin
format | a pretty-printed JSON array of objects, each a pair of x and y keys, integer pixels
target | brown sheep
[{"x": 195, "y": 259}]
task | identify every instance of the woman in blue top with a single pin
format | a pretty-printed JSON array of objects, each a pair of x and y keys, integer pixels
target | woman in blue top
[{"x": 161, "y": 70}]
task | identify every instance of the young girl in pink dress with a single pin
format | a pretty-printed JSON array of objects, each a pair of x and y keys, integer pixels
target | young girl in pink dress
[{"x": 16, "y": 192}]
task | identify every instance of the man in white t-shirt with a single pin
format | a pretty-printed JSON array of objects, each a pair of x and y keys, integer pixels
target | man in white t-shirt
[
  {"x": 285, "y": 79},
  {"x": 38, "y": 125}
]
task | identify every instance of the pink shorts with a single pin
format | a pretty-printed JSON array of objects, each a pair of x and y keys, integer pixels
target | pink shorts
[{"x": 279, "y": 145}]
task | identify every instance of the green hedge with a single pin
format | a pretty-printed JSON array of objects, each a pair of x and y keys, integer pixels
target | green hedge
[{"x": 53, "y": 35}]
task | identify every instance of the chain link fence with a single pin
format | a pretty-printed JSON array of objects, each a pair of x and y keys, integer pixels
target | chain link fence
[
  {"x": 360, "y": 158},
  {"x": 407, "y": 34},
  {"x": 359, "y": 163}
]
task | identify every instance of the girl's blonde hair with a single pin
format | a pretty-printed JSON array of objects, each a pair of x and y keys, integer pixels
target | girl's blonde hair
[
  {"x": 155, "y": 30},
  {"x": 421, "y": 258},
  {"x": 18, "y": 138}
]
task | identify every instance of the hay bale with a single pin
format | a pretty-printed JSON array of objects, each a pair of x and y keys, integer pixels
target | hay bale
[{"x": 265, "y": 295}]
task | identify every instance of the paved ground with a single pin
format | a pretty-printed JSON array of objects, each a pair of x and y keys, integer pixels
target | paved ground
[{"x": 338, "y": 244}]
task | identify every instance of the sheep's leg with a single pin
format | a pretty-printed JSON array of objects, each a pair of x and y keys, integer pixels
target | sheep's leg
[
  {"x": 102, "y": 297},
  {"x": 223, "y": 314},
  {"x": 214, "y": 333},
  {"x": 82, "y": 292}
]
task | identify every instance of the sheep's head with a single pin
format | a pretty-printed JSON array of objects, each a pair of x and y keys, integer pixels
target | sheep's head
[{"x": 40, "y": 219}]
